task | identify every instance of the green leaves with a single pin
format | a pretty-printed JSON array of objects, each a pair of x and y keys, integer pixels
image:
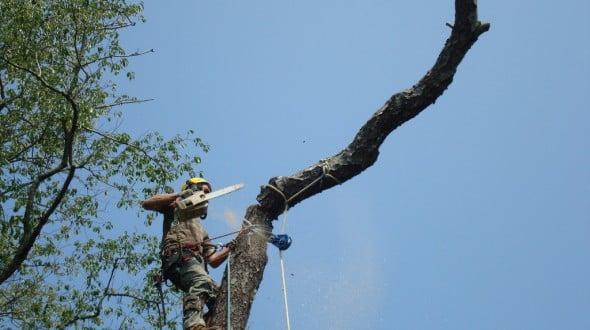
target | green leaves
[{"x": 58, "y": 108}]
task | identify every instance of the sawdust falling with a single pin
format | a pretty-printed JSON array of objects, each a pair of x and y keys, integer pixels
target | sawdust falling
[{"x": 231, "y": 219}]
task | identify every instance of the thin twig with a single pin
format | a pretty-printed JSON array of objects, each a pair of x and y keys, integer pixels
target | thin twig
[
  {"x": 122, "y": 103},
  {"x": 117, "y": 56},
  {"x": 129, "y": 295}
]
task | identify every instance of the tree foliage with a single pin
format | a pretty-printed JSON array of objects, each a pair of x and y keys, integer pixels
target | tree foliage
[{"x": 63, "y": 162}]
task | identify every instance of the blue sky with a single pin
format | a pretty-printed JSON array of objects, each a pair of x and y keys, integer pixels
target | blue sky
[{"x": 477, "y": 213}]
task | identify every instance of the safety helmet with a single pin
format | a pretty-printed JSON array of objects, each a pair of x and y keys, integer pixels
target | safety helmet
[{"x": 195, "y": 181}]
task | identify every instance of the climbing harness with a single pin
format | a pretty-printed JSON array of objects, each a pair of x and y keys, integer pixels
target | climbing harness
[
  {"x": 283, "y": 241},
  {"x": 195, "y": 246}
]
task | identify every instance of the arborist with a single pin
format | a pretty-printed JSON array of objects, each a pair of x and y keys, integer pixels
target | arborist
[{"x": 186, "y": 250}]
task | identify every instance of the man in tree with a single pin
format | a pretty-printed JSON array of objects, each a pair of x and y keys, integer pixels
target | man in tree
[{"x": 186, "y": 250}]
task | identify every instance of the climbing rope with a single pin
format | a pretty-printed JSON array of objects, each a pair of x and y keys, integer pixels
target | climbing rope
[
  {"x": 283, "y": 241},
  {"x": 224, "y": 235},
  {"x": 282, "y": 261},
  {"x": 228, "y": 322}
]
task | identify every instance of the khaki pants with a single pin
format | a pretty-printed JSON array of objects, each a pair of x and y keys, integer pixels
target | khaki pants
[{"x": 187, "y": 272}]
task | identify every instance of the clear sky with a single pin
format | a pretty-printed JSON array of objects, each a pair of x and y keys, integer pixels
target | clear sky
[{"x": 477, "y": 213}]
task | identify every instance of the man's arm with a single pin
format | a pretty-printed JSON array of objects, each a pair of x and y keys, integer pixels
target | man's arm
[
  {"x": 217, "y": 258},
  {"x": 161, "y": 203}
]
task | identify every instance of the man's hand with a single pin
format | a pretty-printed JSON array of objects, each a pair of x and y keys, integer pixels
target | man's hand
[
  {"x": 231, "y": 245},
  {"x": 185, "y": 193},
  {"x": 219, "y": 256}
]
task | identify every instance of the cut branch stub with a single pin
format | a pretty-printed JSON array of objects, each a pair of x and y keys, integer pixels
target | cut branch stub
[{"x": 250, "y": 259}]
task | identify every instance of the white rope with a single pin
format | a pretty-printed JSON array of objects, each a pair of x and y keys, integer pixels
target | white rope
[
  {"x": 284, "y": 290},
  {"x": 284, "y": 227},
  {"x": 281, "y": 259},
  {"x": 282, "y": 263},
  {"x": 228, "y": 323}
]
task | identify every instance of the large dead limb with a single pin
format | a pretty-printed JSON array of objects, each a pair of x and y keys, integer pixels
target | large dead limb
[{"x": 249, "y": 259}]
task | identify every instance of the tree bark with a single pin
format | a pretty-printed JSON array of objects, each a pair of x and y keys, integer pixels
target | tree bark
[{"x": 249, "y": 258}]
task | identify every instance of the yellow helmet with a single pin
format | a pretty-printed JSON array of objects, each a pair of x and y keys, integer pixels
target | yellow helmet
[{"x": 195, "y": 180}]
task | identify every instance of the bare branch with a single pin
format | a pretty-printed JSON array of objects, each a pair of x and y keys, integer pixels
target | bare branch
[
  {"x": 135, "y": 297},
  {"x": 122, "y": 103},
  {"x": 117, "y": 56},
  {"x": 250, "y": 254},
  {"x": 116, "y": 26},
  {"x": 400, "y": 108}
]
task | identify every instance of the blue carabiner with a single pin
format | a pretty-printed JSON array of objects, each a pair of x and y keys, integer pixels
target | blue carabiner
[{"x": 282, "y": 242}]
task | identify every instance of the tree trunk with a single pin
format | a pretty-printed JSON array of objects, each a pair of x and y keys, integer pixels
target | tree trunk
[{"x": 249, "y": 258}]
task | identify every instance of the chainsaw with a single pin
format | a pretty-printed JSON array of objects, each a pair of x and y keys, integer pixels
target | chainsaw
[{"x": 198, "y": 199}]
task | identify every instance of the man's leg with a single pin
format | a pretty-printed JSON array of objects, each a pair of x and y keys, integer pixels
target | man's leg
[
  {"x": 199, "y": 288},
  {"x": 193, "y": 310}
]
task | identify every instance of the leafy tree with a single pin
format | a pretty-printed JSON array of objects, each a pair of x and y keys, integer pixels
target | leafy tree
[{"x": 62, "y": 160}]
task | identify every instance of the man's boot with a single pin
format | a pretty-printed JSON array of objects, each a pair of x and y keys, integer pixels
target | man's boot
[
  {"x": 192, "y": 306},
  {"x": 203, "y": 327}
]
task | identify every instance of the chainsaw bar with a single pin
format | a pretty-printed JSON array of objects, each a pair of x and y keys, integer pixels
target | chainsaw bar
[{"x": 199, "y": 197}]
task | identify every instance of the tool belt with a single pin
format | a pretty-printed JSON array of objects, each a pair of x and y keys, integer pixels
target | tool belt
[
  {"x": 183, "y": 253},
  {"x": 175, "y": 255},
  {"x": 183, "y": 250},
  {"x": 195, "y": 248}
]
